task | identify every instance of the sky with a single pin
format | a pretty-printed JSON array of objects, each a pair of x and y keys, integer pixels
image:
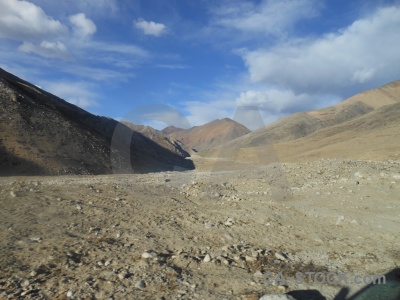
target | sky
[{"x": 188, "y": 62}]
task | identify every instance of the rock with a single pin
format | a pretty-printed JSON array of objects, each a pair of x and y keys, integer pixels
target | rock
[
  {"x": 36, "y": 239},
  {"x": 281, "y": 256},
  {"x": 12, "y": 193},
  {"x": 229, "y": 222},
  {"x": 25, "y": 283},
  {"x": 149, "y": 254},
  {"x": 207, "y": 258},
  {"x": 340, "y": 219},
  {"x": 108, "y": 262},
  {"x": 140, "y": 284},
  {"x": 250, "y": 259},
  {"x": 277, "y": 297},
  {"x": 283, "y": 288},
  {"x": 70, "y": 294},
  {"x": 207, "y": 225},
  {"x": 358, "y": 174},
  {"x": 25, "y": 293},
  {"x": 123, "y": 275}
]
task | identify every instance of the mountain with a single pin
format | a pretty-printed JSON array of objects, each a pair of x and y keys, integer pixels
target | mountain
[
  {"x": 41, "y": 134},
  {"x": 171, "y": 129},
  {"x": 302, "y": 124},
  {"x": 374, "y": 136},
  {"x": 159, "y": 137},
  {"x": 210, "y": 135}
]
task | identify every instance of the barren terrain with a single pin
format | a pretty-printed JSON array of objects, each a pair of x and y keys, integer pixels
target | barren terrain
[{"x": 198, "y": 234}]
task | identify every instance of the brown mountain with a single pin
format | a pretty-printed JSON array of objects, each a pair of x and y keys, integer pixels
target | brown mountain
[
  {"x": 171, "y": 129},
  {"x": 43, "y": 134},
  {"x": 302, "y": 124},
  {"x": 159, "y": 137},
  {"x": 374, "y": 136},
  {"x": 210, "y": 135}
]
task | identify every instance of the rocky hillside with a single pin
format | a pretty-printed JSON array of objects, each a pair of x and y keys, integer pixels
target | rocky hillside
[
  {"x": 43, "y": 134},
  {"x": 210, "y": 135},
  {"x": 374, "y": 136},
  {"x": 303, "y": 124},
  {"x": 159, "y": 137}
]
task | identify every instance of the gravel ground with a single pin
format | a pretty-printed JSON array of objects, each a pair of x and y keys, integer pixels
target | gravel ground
[{"x": 199, "y": 235}]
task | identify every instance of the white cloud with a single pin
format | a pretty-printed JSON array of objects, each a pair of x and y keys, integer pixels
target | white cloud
[
  {"x": 22, "y": 20},
  {"x": 83, "y": 27},
  {"x": 47, "y": 49},
  {"x": 201, "y": 112},
  {"x": 78, "y": 93},
  {"x": 158, "y": 115},
  {"x": 93, "y": 7},
  {"x": 275, "y": 101},
  {"x": 150, "y": 28},
  {"x": 266, "y": 17},
  {"x": 125, "y": 49},
  {"x": 366, "y": 52}
]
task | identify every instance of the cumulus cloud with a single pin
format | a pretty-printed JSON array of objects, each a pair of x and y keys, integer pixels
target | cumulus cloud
[
  {"x": 22, "y": 20},
  {"x": 47, "y": 49},
  {"x": 366, "y": 52},
  {"x": 83, "y": 27},
  {"x": 275, "y": 101},
  {"x": 265, "y": 17},
  {"x": 150, "y": 28}
]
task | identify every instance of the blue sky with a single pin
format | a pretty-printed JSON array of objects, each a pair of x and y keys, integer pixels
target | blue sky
[{"x": 201, "y": 58}]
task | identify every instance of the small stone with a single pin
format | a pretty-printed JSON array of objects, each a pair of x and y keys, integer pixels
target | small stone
[
  {"x": 147, "y": 255},
  {"x": 354, "y": 222},
  {"x": 122, "y": 275},
  {"x": 12, "y": 193},
  {"x": 25, "y": 283},
  {"x": 340, "y": 219},
  {"x": 140, "y": 284},
  {"x": 283, "y": 288},
  {"x": 207, "y": 225},
  {"x": 250, "y": 259},
  {"x": 207, "y": 258},
  {"x": 107, "y": 263},
  {"x": 281, "y": 256},
  {"x": 229, "y": 222},
  {"x": 358, "y": 174},
  {"x": 78, "y": 207},
  {"x": 36, "y": 239},
  {"x": 70, "y": 294}
]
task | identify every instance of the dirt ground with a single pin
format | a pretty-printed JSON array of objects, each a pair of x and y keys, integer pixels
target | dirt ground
[{"x": 199, "y": 234}]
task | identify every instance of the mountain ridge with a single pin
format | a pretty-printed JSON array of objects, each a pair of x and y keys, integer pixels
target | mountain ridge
[
  {"x": 209, "y": 135},
  {"x": 42, "y": 134}
]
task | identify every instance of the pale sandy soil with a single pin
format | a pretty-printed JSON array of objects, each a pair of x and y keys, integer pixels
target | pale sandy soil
[{"x": 84, "y": 236}]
